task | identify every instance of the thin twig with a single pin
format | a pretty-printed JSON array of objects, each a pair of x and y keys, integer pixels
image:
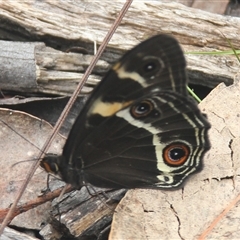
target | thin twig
[
  {"x": 219, "y": 218},
  {"x": 34, "y": 202}
]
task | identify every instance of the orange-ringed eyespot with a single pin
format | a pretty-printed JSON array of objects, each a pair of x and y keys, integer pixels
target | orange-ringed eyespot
[
  {"x": 142, "y": 109},
  {"x": 176, "y": 154}
]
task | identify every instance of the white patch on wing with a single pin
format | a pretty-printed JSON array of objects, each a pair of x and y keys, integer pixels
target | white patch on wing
[
  {"x": 172, "y": 79},
  {"x": 123, "y": 74},
  {"x": 163, "y": 180},
  {"x": 137, "y": 123},
  {"x": 107, "y": 109},
  {"x": 159, "y": 154}
]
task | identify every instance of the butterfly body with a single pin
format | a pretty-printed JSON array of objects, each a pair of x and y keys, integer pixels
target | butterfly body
[{"x": 139, "y": 128}]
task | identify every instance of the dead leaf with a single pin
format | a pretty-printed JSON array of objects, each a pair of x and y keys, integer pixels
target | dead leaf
[{"x": 22, "y": 136}]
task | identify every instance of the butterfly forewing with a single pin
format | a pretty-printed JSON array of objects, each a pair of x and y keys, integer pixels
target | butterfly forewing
[{"x": 139, "y": 128}]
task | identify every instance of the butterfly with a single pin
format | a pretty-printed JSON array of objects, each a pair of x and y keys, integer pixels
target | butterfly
[{"x": 139, "y": 128}]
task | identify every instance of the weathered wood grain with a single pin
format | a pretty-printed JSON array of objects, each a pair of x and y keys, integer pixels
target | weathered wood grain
[{"x": 80, "y": 23}]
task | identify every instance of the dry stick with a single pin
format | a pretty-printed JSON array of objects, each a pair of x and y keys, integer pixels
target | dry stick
[
  {"x": 219, "y": 218},
  {"x": 34, "y": 203},
  {"x": 66, "y": 110}
]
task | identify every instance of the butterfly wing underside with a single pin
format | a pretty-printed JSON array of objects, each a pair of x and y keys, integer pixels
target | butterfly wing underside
[{"x": 138, "y": 128}]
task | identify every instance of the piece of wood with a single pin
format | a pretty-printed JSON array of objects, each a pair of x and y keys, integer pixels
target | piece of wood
[
  {"x": 48, "y": 71},
  {"x": 35, "y": 68},
  {"x": 47, "y": 22},
  {"x": 83, "y": 215},
  {"x": 89, "y": 21}
]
